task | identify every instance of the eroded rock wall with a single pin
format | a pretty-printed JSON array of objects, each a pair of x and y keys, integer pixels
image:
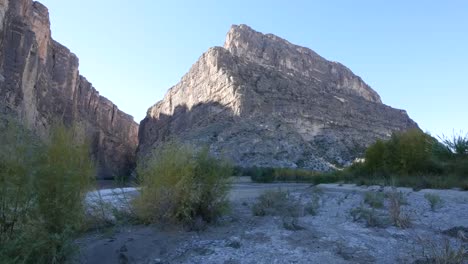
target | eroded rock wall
[{"x": 40, "y": 84}]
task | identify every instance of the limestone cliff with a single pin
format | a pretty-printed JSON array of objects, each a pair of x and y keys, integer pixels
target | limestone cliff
[
  {"x": 40, "y": 83},
  {"x": 262, "y": 101}
]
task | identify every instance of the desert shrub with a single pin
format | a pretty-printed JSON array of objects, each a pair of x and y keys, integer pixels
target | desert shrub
[
  {"x": 442, "y": 253},
  {"x": 212, "y": 178},
  {"x": 269, "y": 175},
  {"x": 271, "y": 203},
  {"x": 453, "y": 154},
  {"x": 180, "y": 185},
  {"x": 375, "y": 158},
  {"x": 374, "y": 199},
  {"x": 280, "y": 203},
  {"x": 62, "y": 180},
  {"x": 434, "y": 200},
  {"x": 42, "y": 192},
  {"x": 406, "y": 153},
  {"x": 18, "y": 162},
  {"x": 398, "y": 218},
  {"x": 312, "y": 207},
  {"x": 261, "y": 174},
  {"x": 294, "y": 175},
  {"x": 370, "y": 216},
  {"x": 414, "y": 159},
  {"x": 457, "y": 144}
]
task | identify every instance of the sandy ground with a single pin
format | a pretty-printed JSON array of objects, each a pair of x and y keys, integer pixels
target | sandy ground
[{"x": 331, "y": 236}]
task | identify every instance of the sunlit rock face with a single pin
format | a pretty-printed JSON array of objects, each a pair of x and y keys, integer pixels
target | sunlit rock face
[
  {"x": 262, "y": 101},
  {"x": 40, "y": 84}
]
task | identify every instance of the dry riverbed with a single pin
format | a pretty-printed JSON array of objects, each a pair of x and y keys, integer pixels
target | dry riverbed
[{"x": 333, "y": 235}]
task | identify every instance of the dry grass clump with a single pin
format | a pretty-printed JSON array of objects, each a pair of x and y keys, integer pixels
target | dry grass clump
[
  {"x": 434, "y": 200},
  {"x": 374, "y": 213},
  {"x": 370, "y": 216},
  {"x": 441, "y": 253},
  {"x": 374, "y": 199},
  {"x": 398, "y": 218},
  {"x": 288, "y": 207}
]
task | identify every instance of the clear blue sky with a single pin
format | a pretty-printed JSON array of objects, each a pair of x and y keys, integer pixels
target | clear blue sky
[{"x": 413, "y": 53}]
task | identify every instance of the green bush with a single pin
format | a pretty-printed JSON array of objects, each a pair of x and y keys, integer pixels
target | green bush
[
  {"x": 42, "y": 189},
  {"x": 180, "y": 185},
  {"x": 453, "y": 154},
  {"x": 413, "y": 159},
  {"x": 457, "y": 144},
  {"x": 260, "y": 174},
  {"x": 374, "y": 199},
  {"x": 269, "y": 175},
  {"x": 18, "y": 161},
  {"x": 406, "y": 153},
  {"x": 63, "y": 177},
  {"x": 434, "y": 200},
  {"x": 370, "y": 216}
]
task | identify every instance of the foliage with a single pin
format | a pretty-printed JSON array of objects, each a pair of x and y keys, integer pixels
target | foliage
[
  {"x": 369, "y": 215},
  {"x": 18, "y": 159},
  {"x": 280, "y": 203},
  {"x": 62, "y": 179},
  {"x": 313, "y": 206},
  {"x": 413, "y": 159},
  {"x": 442, "y": 253},
  {"x": 271, "y": 203},
  {"x": 269, "y": 175},
  {"x": 180, "y": 185},
  {"x": 457, "y": 144},
  {"x": 398, "y": 218},
  {"x": 374, "y": 199},
  {"x": 434, "y": 200},
  {"x": 42, "y": 189},
  {"x": 406, "y": 153}
]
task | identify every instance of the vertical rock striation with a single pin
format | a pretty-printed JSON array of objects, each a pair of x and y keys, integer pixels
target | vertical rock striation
[
  {"x": 40, "y": 84},
  {"x": 262, "y": 101}
]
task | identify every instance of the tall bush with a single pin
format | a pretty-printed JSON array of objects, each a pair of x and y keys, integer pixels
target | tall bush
[
  {"x": 18, "y": 161},
  {"x": 41, "y": 197},
  {"x": 180, "y": 185},
  {"x": 405, "y": 153},
  {"x": 63, "y": 177},
  {"x": 453, "y": 152}
]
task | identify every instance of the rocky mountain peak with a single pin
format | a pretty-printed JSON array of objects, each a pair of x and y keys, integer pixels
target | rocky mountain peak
[
  {"x": 272, "y": 51},
  {"x": 263, "y": 101}
]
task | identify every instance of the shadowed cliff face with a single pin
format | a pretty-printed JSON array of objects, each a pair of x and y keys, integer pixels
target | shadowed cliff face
[
  {"x": 262, "y": 101},
  {"x": 40, "y": 84}
]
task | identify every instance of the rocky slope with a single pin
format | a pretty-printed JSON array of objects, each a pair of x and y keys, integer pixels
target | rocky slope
[
  {"x": 262, "y": 101},
  {"x": 40, "y": 83}
]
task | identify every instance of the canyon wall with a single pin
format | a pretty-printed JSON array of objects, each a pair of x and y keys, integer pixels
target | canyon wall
[{"x": 40, "y": 84}]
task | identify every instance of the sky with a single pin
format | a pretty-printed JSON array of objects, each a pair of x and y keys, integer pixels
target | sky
[{"x": 413, "y": 53}]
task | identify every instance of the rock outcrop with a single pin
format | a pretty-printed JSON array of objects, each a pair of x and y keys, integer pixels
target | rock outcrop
[
  {"x": 262, "y": 101},
  {"x": 40, "y": 84}
]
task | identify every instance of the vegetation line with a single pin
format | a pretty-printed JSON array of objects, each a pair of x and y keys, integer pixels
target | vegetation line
[{"x": 411, "y": 159}]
